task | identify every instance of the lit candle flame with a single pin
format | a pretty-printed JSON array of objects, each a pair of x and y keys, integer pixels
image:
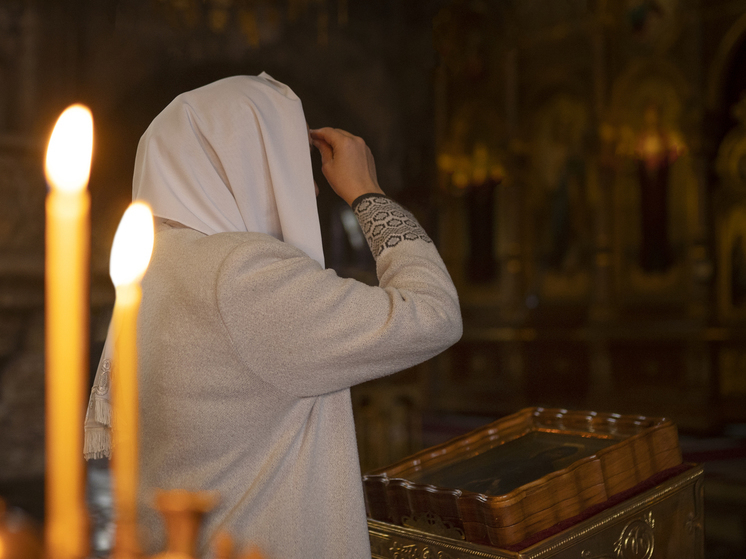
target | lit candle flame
[
  {"x": 132, "y": 246},
  {"x": 68, "y": 162}
]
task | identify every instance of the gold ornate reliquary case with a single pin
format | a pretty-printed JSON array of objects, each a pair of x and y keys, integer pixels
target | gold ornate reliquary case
[{"x": 522, "y": 479}]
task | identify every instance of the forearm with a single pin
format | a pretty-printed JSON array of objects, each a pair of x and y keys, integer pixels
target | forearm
[{"x": 407, "y": 262}]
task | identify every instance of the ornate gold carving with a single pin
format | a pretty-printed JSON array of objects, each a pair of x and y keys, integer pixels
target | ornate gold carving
[
  {"x": 637, "y": 540},
  {"x": 432, "y": 524},
  {"x": 415, "y": 551},
  {"x": 692, "y": 524}
]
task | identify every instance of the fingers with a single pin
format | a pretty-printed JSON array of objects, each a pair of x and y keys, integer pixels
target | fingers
[
  {"x": 324, "y": 140},
  {"x": 332, "y": 136},
  {"x": 346, "y": 162},
  {"x": 330, "y": 140},
  {"x": 326, "y": 151},
  {"x": 324, "y": 134}
]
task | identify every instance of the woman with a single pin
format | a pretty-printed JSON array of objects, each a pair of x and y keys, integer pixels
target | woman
[{"x": 248, "y": 346}]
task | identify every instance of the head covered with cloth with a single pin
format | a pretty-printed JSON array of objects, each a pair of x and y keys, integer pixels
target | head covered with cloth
[{"x": 232, "y": 156}]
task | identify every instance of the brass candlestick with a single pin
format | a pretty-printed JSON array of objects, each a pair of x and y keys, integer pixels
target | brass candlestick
[
  {"x": 223, "y": 546},
  {"x": 182, "y": 514},
  {"x": 19, "y": 537}
]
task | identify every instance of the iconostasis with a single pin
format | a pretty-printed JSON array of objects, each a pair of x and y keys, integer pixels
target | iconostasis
[{"x": 592, "y": 207}]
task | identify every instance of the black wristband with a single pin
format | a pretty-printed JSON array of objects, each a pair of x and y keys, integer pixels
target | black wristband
[{"x": 362, "y": 197}]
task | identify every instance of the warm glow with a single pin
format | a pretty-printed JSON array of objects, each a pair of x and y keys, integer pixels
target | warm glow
[
  {"x": 68, "y": 163},
  {"x": 133, "y": 245}
]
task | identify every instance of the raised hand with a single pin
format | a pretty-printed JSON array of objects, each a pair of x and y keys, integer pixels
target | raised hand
[{"x": 346, "y": 162}]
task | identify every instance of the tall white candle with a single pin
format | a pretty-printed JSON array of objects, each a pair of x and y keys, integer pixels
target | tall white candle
[
  {"x": 67, "y": 168},
  {"x": 130, "y": 255}
]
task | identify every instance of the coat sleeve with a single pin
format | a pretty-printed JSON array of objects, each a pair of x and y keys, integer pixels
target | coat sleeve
[{"x": 309, "y": 332}]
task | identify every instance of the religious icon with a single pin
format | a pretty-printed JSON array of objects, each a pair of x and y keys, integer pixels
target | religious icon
[
  {"x": 567, "y": 211},
  {"x": 504, "y": 468},
  {"x": 561, "y": 176},
  {"x": 513, "y": 475},
  {"x": 656, "y": 149}
]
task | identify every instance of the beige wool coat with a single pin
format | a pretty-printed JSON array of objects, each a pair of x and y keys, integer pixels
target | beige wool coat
[{"x": 248, "y": 349}]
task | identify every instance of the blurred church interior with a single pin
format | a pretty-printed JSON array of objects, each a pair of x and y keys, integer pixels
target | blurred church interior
[{"x": 581, "y": 165}]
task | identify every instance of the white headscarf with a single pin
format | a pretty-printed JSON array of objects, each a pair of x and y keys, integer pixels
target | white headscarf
[{"x": 230, "y": 156}]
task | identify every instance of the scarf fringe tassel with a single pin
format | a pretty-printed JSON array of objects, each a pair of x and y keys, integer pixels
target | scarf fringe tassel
[{"x": 97, "y": 443}]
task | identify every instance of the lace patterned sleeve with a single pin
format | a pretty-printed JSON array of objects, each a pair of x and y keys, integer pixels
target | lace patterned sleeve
[{"x": 385, "y": 223}]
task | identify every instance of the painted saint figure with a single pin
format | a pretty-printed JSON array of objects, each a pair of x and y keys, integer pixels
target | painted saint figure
[{"x": 564, "y": 177}]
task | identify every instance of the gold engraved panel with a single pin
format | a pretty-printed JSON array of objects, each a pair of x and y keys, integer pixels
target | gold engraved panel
[{"x": 637, "y": 541}]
